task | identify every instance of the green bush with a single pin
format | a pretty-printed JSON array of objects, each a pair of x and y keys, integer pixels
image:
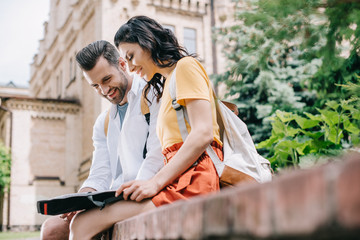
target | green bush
[
  {"x": 297, "y": 139},
  {"x": 5, "y": 167}
]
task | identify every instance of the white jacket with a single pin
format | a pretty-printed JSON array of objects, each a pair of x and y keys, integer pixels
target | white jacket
[{"x": 118, "y": 158}]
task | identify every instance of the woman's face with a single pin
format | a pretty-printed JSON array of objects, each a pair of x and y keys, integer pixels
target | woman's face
[{"x": 139, "y": 60}]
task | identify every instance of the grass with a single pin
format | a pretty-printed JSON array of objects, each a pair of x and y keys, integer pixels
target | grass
[{"x": 18, "y": 235}]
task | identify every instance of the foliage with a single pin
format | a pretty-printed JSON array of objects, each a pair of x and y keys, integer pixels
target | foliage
[
  {"x": 289, "y": 55},
  {"x": 297, "y": 139},
  {"x": 5, "y": 167},
  {"x": 341, "y": 52}
]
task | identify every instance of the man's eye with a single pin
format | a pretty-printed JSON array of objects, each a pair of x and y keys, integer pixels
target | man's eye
[{"x": 95, "y": 86}]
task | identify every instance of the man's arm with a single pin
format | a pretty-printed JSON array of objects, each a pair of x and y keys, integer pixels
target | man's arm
[{"x": 100, "y": 173}]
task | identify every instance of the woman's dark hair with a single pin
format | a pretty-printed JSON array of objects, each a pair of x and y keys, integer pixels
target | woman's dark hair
[
  {"x": 160, "y": 42},
  {"x": 89, "y": 55}
]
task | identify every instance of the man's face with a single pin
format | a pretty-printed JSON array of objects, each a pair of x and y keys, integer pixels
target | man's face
[{"x": 108, "y": 80}]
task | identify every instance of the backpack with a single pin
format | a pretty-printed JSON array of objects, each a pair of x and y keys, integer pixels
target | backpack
[{"x": 241, "y": 163}]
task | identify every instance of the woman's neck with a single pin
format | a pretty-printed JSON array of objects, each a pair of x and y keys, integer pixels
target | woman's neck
[{"x": 166, "y": 71}]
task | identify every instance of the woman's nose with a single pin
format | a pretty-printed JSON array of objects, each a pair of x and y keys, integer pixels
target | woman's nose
[{"x": 131, "y": 66}]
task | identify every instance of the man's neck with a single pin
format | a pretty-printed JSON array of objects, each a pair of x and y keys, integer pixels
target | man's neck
[{"x": 129, "y": 85}]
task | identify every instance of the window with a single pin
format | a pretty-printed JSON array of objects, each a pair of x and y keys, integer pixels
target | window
[
  {"x": 59, "y": 85},
  {"x": 48, "y": 93},
  {"x": 71, "y": 69},
  {"x": 190, "y": 40},
  {"x": 72, "y": 72},
  {"x": 170, "y": 27}
]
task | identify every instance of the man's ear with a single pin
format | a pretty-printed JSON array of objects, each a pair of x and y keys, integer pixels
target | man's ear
[{"x": 122, "y": 64}]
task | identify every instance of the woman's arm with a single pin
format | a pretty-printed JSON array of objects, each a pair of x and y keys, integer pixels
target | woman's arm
[{"x": 200, "y": 136}]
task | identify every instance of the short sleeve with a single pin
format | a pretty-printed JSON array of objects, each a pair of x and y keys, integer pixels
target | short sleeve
[{"x": 191, "y": 81}]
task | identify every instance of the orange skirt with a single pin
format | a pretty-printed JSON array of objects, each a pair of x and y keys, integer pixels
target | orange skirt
[{"x": 201, "y": 178}]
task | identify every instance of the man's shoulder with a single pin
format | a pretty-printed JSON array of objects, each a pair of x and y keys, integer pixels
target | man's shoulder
[{"x": 103, "y": 115}]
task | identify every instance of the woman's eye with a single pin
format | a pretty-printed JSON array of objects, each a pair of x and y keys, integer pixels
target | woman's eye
[{"x": 130, "y": 57}]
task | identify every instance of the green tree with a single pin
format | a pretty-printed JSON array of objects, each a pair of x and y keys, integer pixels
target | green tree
[
  {"x": 5, "y": 167},
  {"x": 287, "y": 55}
]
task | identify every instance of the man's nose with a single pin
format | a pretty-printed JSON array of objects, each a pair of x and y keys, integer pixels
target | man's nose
[{"x": 104, "y": 89}]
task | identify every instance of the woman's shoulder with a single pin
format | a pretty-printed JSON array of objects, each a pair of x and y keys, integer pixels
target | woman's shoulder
[{"x": 185, "y": 62}]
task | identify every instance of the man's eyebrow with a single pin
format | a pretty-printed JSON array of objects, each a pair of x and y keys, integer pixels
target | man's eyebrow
[{"x": 105, "y": 77}]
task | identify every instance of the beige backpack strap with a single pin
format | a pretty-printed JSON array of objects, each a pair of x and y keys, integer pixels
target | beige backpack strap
[{"x": 106, "y": 122}]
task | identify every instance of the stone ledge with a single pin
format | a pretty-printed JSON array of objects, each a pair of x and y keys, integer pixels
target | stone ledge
[{"x": 320, "y": 203}]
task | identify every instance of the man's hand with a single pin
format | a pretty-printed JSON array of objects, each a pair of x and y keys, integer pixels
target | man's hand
[
  {"x": 138, "y": 190},
  {"x": 87, "y": 189},
  {"x": 68, "y": 216}
]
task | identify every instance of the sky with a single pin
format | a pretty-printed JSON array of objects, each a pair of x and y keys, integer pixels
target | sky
[{"x": 21, "y": 28}]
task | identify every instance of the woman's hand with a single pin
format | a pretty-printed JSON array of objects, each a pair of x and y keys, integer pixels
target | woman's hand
[{"x": 137, "y": 190}]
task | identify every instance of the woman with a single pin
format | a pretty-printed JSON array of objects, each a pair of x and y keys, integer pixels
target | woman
[{"x": 153, "y": 52}]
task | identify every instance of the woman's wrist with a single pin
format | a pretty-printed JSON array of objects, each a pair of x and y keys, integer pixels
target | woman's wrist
[{"x": 159, "y": 182}]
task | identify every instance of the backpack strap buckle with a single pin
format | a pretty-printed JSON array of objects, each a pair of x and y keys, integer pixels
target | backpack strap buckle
[{"x": 176, "y": 105}]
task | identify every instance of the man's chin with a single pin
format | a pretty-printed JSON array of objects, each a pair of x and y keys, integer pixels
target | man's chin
[{"x": 114, "y": 101}]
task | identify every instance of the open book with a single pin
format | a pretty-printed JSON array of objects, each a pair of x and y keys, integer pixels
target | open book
[{"x": 77, "y": 201}]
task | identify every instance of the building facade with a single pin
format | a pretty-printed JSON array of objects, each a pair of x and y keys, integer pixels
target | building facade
[{"x": 51, "y": 130}]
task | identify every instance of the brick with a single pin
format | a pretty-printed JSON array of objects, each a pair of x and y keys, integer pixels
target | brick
[
  {"x": 129, "y": 230},
  {"x": 348, "y": 193},
  {"x": 192, "y": 220},
  {"x": 251, "y": 210},
  {"x": 216, "y": 213},
  {"x": 140, "y": 227},
  {"x": 300, "y": 202},
  {"x": 170, "y": 221},
  {"x": 151, "y": 225},
  {"x": 117, "y": 230}
]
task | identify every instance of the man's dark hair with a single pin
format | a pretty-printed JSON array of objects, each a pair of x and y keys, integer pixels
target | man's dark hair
[{"x": 89, "y": 55}]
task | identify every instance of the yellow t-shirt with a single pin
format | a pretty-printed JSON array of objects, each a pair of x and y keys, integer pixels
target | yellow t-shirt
[{"x": 192, "y": 82}]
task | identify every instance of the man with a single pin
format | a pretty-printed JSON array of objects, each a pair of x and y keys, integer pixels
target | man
[{"x": 119, "y": 154}]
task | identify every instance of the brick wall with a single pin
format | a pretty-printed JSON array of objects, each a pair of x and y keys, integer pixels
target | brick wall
[{"x": 320, "y": 203}]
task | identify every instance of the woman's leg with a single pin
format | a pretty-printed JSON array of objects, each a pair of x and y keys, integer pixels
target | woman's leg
[{"x": 87, "y": 224}]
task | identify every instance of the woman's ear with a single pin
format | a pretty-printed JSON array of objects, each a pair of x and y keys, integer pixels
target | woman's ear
[{"x": 122, "y": 64}]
